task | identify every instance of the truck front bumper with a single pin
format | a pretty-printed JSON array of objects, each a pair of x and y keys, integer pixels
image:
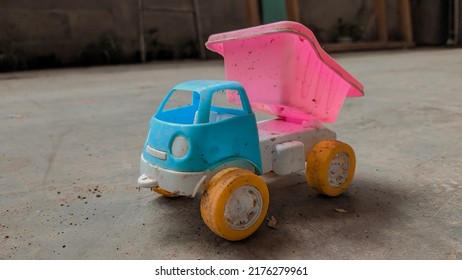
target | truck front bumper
[{"x": 176, "y": 182}]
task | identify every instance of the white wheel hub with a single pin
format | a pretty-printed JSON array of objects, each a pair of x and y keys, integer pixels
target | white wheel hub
[
  {"x": 339, "y": 169},
  {"x": 243, "y": 207}
]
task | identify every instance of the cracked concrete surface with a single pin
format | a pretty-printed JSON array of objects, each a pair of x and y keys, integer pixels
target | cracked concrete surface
[{"x": 70, "y": 142}]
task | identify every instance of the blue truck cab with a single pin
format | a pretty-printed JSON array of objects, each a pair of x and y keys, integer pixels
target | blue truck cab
[{"x": 187, "y": 145}]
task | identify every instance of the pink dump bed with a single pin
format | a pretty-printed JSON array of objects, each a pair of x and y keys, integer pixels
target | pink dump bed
[{"x": 285, "y": 71}]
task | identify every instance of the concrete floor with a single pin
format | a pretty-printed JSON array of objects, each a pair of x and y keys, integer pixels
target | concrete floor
[{"x": 69, "y": 153}]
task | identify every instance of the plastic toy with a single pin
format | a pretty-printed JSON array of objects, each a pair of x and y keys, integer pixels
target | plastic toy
[{"x": 220, "y": 151}]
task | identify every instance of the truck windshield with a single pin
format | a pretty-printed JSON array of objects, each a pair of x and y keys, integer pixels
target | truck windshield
[
  {"x": 188, "y": 107},
  {"x": 179, "y": 98},
  {"x": 179, "y": 107}
]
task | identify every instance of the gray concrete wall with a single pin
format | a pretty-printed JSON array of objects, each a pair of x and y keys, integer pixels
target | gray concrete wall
[
  {"x": 175, "y": 21},
  {"x": 322, "y": 16},
  {"x": 65, "y": 28}
]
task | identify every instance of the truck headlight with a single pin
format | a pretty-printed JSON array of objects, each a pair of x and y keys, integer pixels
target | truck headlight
[{"x": 179, "y": 147}]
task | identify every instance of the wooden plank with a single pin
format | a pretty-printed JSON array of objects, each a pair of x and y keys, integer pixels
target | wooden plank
[
  {"x": 457, "y": 10},
  {"x": 141, "y": 32},
  {"x": 380, "y": 12},
  {"x": 405, "y": 20},
  {"x": 293, "y": 10},
  {"x": 252, "y": 12},
  {"x": 199, "y": 30}
]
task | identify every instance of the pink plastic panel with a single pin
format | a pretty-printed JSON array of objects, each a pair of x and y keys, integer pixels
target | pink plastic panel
[{"x": 285, "y": 72}]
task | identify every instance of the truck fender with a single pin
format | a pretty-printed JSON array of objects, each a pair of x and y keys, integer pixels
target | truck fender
[{"x": 239, "y": 163}]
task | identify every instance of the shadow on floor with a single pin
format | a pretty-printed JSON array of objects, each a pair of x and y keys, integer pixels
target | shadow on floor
[{"x": 305, "y": 220}]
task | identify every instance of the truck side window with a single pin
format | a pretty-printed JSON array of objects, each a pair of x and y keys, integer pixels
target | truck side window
[{"x": 222, "y": 108}]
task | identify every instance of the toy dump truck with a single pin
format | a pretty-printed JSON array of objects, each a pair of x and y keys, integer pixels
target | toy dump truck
[{"x": 220, "y": 151}]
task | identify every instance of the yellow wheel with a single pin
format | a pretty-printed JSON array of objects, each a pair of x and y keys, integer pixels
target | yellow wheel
[
  {"x": 330, "y": 167},
  {"x": 234, "y": 203},
  {"x": 164, "y": 192}
]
